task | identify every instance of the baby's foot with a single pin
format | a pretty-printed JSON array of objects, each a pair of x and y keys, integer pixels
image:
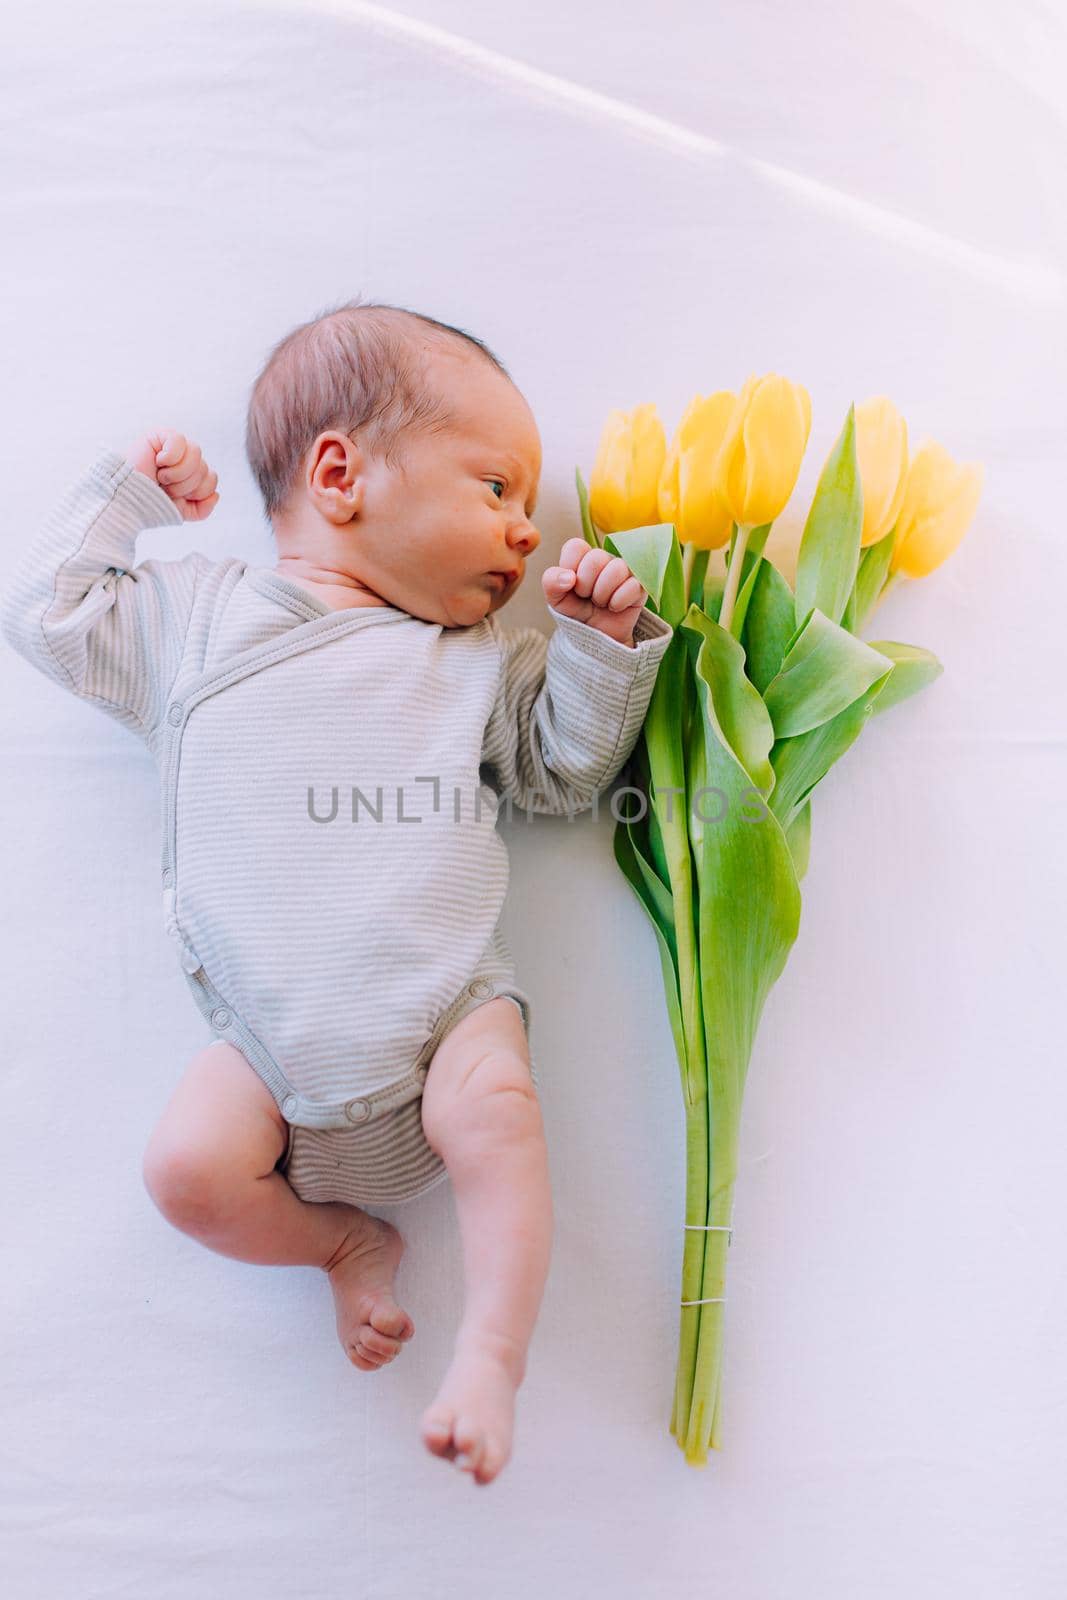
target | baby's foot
[
  {"x": 370, "y": 1324},
  {"x": 472, "y": 1416}
]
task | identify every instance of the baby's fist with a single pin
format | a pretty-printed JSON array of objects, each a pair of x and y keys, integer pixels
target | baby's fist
[
  {"x": 596, "y": 588},
  {"x": 176, "y": 465}
]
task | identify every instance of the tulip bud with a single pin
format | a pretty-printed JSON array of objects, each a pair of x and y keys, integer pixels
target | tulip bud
[
  {"x": 882, "y": 458},
  {"x": 624, "y": 482},
  {"x": 940, "y": 499},
  {"x": 687, "y": 493},
  {"x": 759, "y": 461}
]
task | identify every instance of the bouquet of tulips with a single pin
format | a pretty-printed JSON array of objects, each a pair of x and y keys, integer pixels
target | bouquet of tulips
[{"x": 763, "y": 687}]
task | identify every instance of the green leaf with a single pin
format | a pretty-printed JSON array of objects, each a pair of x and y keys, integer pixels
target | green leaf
[
  {"x": 769, "y": 623},
  {"x": 873, "y": 567},
  {"x": 830, "y": 546},
  {"x": 670, "y": 712},
  {"x": 654, "y": 556},
  {"x": 914, "y": 669},
  {"x": 824, "y": 670},
  {"x": 640, "y": 775},
  {"x": 636, "y": 873},
  {"x": 749, "y": 906},
  {"x": 655, "y": 896},
  {"x": 801, "y": 762},
  {"x": 583, "y": 505},
  {"x": 740, "y": 714},
  {"x": 798, "y": 838}
]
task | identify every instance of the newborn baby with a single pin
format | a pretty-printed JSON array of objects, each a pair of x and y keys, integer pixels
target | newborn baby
[{"x": 334, "y": 734}]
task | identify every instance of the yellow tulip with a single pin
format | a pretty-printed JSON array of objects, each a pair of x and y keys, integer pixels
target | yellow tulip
[
  {"x": 623, "y": 485},
  {"x": 882, "y": 459},
  {"x": 687, "y": 493},
  {"x": 940, "y": 499},
  {"x": 761, "y": 452}
]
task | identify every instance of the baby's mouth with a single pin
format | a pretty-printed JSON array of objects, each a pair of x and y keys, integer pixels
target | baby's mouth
[{"x": 503, "y": 580}]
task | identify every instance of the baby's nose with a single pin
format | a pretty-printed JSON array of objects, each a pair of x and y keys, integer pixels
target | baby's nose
[{"x": 527, "y": 536}]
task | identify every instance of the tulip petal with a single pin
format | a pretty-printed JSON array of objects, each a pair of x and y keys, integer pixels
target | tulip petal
[
  {"x": 729, "y": 467},
  {"x": 775, "y": 434},
  {"x": 939, "y": 505},
  {"x": 882, "y": 459}
]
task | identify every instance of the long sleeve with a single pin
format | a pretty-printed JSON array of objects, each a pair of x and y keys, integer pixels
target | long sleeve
[
  {"x": 568, "y": 710},
  {"x": 77, "y": 609}
]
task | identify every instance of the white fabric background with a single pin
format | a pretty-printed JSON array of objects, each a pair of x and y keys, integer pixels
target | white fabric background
[{"x": 867, "y": 199}]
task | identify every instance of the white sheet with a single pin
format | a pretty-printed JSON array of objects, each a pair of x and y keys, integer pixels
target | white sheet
[{"x": 626, "y": 207}]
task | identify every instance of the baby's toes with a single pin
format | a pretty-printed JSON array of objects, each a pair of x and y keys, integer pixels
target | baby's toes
[
  {"x": 386, "y": 1317},
  {"x": 360, "y": 1358},
  {"x": 437, "y": 1432},
  {"x": 470, "y": 1445},
  {"x": 375, "y": 1344},
  {"x": 493, "y": 1458}
]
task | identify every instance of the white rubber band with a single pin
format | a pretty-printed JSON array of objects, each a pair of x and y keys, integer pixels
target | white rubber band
[
  {"x": 713, "y": 1227},
  {"x": 710, "y": 1227}
]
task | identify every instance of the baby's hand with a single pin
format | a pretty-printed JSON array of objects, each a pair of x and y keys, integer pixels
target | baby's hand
[
  {"x": 597, "y": 588},
  {"x": 177, "y": 466}
]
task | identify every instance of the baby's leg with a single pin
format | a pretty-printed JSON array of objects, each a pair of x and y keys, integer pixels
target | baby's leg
[
  {"x": 209, "y": 1167},
  {"x": 480, "y": 1112}
]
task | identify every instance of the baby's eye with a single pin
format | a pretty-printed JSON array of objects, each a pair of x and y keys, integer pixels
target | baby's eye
[{"x": 495, "y": 481}]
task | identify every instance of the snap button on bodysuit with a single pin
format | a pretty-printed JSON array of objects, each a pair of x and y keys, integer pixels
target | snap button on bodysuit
[
  {"x": 174, "y": 715},
  {"x": 289, "y": 1104},
  {"x": 220, "y": 1018},
  {"x": 168, "y": 879},
  {"x": 357, "y": 1110},
  {"x": 480, "y": 986}
]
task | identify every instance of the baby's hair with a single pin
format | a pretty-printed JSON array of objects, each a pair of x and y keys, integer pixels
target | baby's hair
[{"x": 353, "y": 366}]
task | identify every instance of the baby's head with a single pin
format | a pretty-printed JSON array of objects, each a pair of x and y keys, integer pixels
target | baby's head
[{"x": 397, "y": 458}]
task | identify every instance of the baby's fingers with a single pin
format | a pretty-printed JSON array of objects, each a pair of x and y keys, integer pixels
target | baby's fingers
[
  {"x": 613, "y": 575},
  {"x": 205, "y": 485},
  {"x": 558, "y": 580},
  {"x": 171, "y": 450},
  {"x": 197, "y": 510},
  {"x": 185, "y": 473},
  {"x": 573, "y": 552},
  {"x": 630, "y": 593}
]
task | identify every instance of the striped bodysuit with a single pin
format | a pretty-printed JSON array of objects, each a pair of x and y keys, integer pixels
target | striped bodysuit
[{"x": 331, "y": 871}]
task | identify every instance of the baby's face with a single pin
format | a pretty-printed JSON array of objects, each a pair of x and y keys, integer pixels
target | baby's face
[{"x": 430, "y": 539}]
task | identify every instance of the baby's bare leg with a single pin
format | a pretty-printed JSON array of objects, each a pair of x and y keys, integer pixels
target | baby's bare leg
[
  {"x": 209, "y": 1167},
  {"x": 480, "y": 1112}
]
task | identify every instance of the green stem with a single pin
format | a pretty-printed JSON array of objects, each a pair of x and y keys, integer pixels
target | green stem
[
  {"x": 733, "y": 573},
  {"x": 689, "y": 555},
  {"x": 696, "y": 1211},
  {"x": 707, "y": 1372},
  {"x": 724, "y": 1117}
]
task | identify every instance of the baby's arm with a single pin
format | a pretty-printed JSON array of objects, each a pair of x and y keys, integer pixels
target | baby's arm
[
  {"x": 78, "y": 609},
  {"x": 569, "y": 709}
]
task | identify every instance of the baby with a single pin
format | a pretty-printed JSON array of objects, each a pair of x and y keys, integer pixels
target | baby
[{"x": 334, "y": 734}]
